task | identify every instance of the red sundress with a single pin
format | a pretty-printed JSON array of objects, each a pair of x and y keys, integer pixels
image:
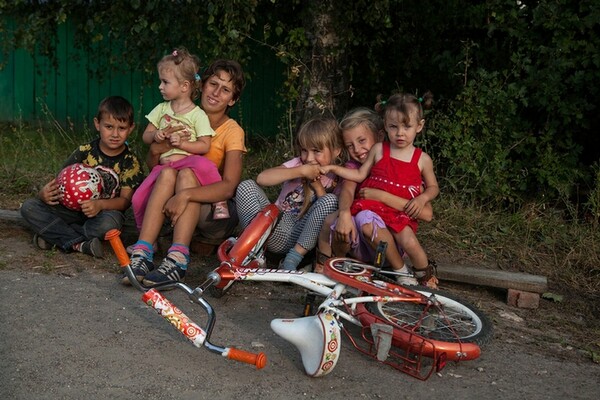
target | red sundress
[{"x": 397, "y": 177}]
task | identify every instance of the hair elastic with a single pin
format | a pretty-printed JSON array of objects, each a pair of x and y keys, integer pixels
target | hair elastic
[
  {"x": 420, "y": 99},
  {"x": 175, "y": 53},
  {"x": 197, "y": 77}
]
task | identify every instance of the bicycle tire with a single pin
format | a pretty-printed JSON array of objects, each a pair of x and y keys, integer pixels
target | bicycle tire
[{"x": 469, "y": 324}]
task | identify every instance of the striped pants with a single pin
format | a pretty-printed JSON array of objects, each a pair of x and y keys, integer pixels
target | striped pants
[{"x": 290, "y": 229}]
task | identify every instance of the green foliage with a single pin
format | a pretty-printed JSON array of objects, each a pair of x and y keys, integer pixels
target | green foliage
[
  {"x": 520, "y": 126},
  {"x": 143, "y": 30},
  {"x": 515, "y": 81}
]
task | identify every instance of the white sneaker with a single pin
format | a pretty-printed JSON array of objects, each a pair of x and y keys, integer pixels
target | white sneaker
[{"x": 407, "y": 280}]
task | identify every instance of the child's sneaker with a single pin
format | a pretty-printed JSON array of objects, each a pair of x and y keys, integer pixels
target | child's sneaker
[
  {"x": 428, "y": 277},
  {"x": 92, "y": 248},
  {"x": 41, "y": 243},
  {"x": 140, "y": 266},
  {"x": 407, "y": 280},
  {"x": 168, "y": 271},
  {"x": 220, "y": 210}
]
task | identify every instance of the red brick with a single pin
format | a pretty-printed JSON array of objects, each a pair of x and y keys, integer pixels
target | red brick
[{"x": 521, "y": 299}]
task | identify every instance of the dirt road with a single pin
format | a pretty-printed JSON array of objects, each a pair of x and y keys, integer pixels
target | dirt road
[{"x": 69, "y": 330}]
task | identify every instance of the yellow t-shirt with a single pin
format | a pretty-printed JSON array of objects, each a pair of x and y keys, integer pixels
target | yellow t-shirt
[{"x": 195, "y": 122}]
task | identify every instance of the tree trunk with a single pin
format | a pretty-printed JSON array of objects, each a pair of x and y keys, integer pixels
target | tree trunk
[{"x": 324, "y": 78}]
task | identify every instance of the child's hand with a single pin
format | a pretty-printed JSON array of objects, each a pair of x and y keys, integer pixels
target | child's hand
[
  {"x": 310, "y": 172},
  {"x": 414, "y": 206},
  {"x": 91, "y": 208},
  {"x": 371, "y": 193},
  {"x": 325, "y": 169},
  {"x": 345, "y": 230},
  {"x": 175, "y": 140},
  {"x": 160, "y": 136},
  {"x": 165, "y": 133},
  {"x": 50, "y": 193}
]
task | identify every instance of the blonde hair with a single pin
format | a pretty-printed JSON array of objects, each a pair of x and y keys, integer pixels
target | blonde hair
[
  {"x": 185, "y": 67},
  {"x": 319, "y": 133},
  {"x": 363, "y": 116}
]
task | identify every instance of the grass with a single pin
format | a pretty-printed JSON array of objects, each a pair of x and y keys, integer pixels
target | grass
[{"x": 537, "y": 239}]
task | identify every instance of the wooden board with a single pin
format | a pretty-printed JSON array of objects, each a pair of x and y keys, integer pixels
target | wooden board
[
  {"x": 493, "y": 278},
  {"x": 12, "y": 216}
]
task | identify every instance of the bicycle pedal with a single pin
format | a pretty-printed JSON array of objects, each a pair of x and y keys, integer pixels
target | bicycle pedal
[
  {"x": 380, "y": 255},
  {"x": 309, "y": 305}
]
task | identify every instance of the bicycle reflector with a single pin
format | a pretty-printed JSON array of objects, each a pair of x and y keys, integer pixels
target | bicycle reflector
[{"x": 441, "y": 362}]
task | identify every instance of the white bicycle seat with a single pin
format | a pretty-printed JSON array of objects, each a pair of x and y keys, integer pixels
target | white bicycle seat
[{"x": 317, "y": 338}]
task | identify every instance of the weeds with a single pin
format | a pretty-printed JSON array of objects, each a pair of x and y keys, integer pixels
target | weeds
[{"x": 536, "y": 239}]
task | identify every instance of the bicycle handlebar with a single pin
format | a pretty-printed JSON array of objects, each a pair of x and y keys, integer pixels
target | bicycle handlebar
[
  {"x": 198, "y": 336},
  {"x": 195, "y": 333}
]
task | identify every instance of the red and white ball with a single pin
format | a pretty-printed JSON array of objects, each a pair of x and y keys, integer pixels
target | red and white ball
[{"x": 78, "y": 182}]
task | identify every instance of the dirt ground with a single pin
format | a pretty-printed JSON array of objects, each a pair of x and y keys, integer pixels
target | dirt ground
[{"x": 70, "y": 330}]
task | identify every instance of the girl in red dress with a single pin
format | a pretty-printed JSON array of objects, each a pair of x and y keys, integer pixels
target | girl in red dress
[{"x": 398, "y": 167}]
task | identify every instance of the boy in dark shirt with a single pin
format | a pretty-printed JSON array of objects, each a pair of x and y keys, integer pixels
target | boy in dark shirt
[{"x": 70, "y": 230}]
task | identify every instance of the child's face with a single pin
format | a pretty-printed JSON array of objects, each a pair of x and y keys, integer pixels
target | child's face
[
  {"x": 113, "y": 134},
  {"x": 316, "y": 156},
  {"x": 170, "y": 88},
  {"x": 402, "y": 131},
  {"x": 358, "y": 141}
]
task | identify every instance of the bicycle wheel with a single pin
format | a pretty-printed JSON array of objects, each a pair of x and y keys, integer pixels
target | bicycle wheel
[{"x": 450, "y": 320}]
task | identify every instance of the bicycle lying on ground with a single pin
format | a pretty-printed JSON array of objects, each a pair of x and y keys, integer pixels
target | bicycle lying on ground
[{"x": 413, "y": 329}]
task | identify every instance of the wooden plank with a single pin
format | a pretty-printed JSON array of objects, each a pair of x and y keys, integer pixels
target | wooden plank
[
  {"x": 12, "y": 216},
  {"x": 493, "y": 278}
]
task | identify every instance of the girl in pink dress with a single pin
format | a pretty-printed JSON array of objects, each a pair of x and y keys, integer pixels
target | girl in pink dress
[{"x": 399, "y": 168}]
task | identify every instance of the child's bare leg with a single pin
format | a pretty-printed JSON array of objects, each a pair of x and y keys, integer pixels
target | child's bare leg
[
  {"x": 323, "y": 243},
  {"x": 423, "y": 270},
  {"x": 143, "y": 250},
  {"x": 324, "y": 247},
  {"x": 392, "y": 254},
  {"x": 187, "y": 222},
  {"x": 164, "y": 188},
  {"x": 408, "y": 241}
]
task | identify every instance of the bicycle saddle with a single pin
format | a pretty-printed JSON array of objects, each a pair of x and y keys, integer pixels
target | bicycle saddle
[{"x": 317, "y": 339}]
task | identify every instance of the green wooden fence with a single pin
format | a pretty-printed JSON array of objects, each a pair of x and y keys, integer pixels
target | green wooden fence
[{"x": 33, "y": 90}]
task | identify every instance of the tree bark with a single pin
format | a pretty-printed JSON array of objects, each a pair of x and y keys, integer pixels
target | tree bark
[{"x": 324, "y": 78}]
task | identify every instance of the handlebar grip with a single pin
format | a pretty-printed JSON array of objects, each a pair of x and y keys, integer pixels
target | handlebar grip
[
  {"x": 260, "y": 359},
  {"x": 114, "y": 238}
]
